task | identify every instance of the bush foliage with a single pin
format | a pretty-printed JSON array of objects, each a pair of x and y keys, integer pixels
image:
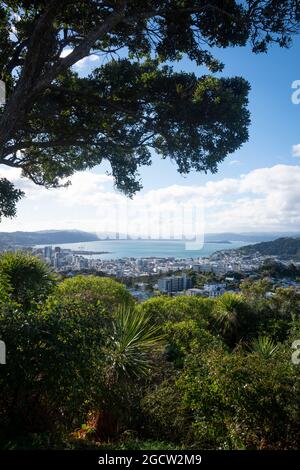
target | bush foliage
[{"x": 86, "y": 364}]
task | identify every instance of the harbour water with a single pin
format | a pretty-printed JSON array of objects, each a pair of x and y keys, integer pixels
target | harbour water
[{"x": 148, "y": 248}]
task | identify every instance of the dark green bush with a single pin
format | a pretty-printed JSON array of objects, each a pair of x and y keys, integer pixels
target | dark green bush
[{"x": 29, "y": 280}]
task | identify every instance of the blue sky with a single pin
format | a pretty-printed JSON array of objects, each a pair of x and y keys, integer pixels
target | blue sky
[
  {"x": 256, "y": 188},
  {"x": 275, "y": 120}
]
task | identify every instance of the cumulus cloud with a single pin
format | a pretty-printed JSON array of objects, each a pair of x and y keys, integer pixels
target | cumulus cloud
[
  {"x": 296, "y": 150},
  {"x": 263, "y": 199},
  {"x": 87, "y": 61}
]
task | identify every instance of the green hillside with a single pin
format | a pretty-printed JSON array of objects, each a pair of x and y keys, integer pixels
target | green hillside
[
  {"x": 46, "y": 237},
  {"x": 282, "y": 247}
]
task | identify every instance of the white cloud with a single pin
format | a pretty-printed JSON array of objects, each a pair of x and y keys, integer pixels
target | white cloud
[
  {"x": 263, "y": 199},
  {"x": 85, "y": 62},
  {"x": 296, "y": 150},
  {"x": 66, "y": 52}
]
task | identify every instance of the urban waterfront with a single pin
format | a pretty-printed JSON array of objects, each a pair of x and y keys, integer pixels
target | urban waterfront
[{"x": 212, "y": 275}]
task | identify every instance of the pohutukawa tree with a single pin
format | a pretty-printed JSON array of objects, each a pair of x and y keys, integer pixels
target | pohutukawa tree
[{"x": 56, "y": 121}]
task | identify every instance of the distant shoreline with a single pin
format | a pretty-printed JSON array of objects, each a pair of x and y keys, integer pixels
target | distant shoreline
[
  {"x": 183, "y": 240},
  {"x": 177, "y": 240},
  {"x": 86, "y": 252}
]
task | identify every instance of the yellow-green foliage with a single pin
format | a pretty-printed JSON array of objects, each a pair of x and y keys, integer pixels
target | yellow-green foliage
[{"x": 91, "y": 291}]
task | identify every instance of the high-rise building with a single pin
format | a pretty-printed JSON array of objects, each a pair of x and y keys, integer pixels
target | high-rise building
[
  {"x": 56, "y": 260},
  {"x": 47, "y": 252},
  {"x": 174, "y": 283}
]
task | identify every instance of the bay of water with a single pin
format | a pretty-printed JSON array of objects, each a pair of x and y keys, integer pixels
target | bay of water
[{"x": 148, "y": 248}]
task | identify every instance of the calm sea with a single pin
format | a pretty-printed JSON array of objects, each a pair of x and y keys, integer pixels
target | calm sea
[{"x": 148, "y": 248}]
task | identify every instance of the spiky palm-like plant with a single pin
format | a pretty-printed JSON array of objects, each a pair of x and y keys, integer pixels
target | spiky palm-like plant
[
  {"x": 227, "y": 309},
  {"x": 264, "y": 346},
  {"x": 134, "y": 337}
]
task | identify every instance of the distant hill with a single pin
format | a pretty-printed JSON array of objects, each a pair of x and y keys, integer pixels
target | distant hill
[
  {"x": 286, "y": 247},
  {"x": 46, "y": 237},
  {"x": 249, "y": 237}
]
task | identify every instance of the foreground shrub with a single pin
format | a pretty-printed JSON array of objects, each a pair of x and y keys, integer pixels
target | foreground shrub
[
  {"x": 271, "y": 315},
  {"x": 67, "y": 359},
  {"x": 242, "y": 400},
  {"x": 92, "y": 291},
  {"x": 130, "y": 344},
  {"x": 164, "y": 309},
  {"x": 53, "y": 370},
  {"x": 234, "y": 320},
  {"x": 29, "y": 280}
]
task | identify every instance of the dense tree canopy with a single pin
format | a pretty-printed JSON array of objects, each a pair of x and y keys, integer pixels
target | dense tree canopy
[
  {"x": 9, "y": 196},
  {"x": 55, "y": 121}
]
